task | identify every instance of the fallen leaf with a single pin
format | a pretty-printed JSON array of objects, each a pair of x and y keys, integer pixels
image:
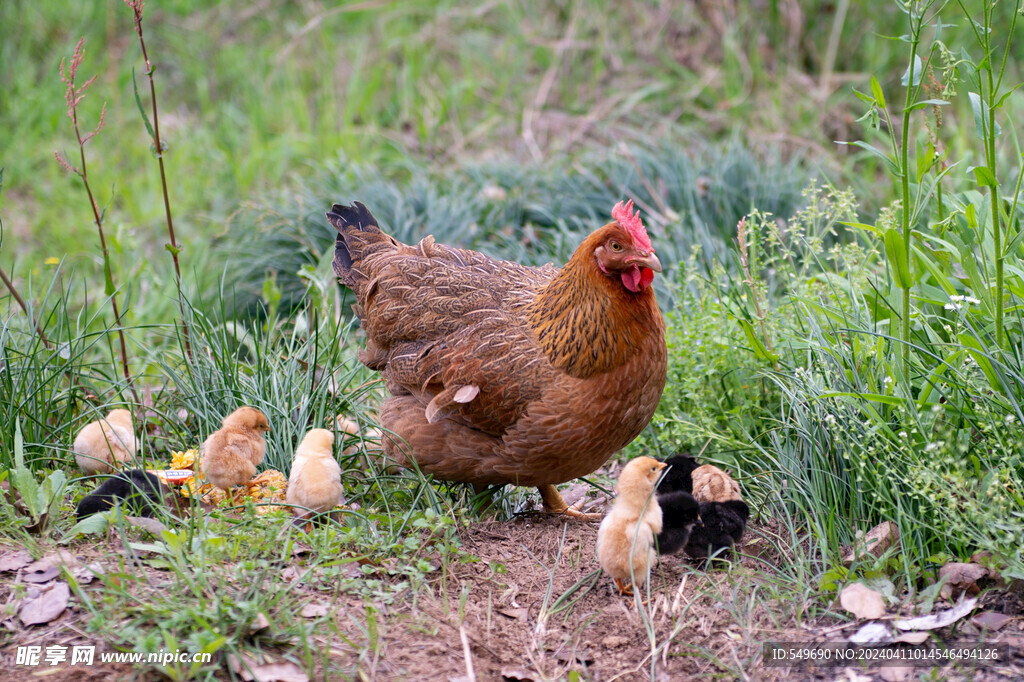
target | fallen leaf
[
  {"x": 45, "y": 606},
  {"x": 61, "y": 557},
  {"x": 874, "y": 543},
  {"x": 314, "y": 610},
  {"x": 989, "y": 620},
  {"x": 934, "y": 621},
  {"x": 912, "y": 637},
  {"x": 43, "y": 575},
  {"x": 872, "y": 634},
  {"x": 895, "y": 673},
  {"x": 12, "y": 561},
  {"x": 86, "y": 574},
  {"x": 862, "y": 601},
  {"x": 261, "y": 622},
  {"x": 147, "y": 524},
  {"x": 250, "y": 671},
  {"x": 517, "y": 675},
  {"x": 514, "y": 614},
  {"x": 960, "y": 578}
]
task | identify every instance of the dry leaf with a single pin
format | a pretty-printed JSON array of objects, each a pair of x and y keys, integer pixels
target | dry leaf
[
  {"x": 862, "y": 601},
  {"x": 261, "y": 622},
  {"x": 514, "y": 614},
  {"x": 250, "y": 671},
  {"x": 61, "y": 557},
  {"x": 874, "y": 543},
  {"x": 938, "y": 620},
  {"x": 86, "y": 574},
  {"x": 314, "y": 610},
  {"x": 895, "y": 673},
  {"x": 960, "y": 578},
  {"x": 872, "y": 634},
  {"x": 12, "y": 561},
  {"x": 517, "y": 675},
  {"x": 991, "y": 621},
  {"x": 912, "y": 637},
  {"x": 147, "y": 524},
  {"x": 45, "y": 606},
  {"x": 43, "y": 575}
]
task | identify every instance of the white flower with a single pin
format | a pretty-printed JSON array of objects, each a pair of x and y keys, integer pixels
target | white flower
[
  {"x": 830, "y": 418},
  {"x": 887, "y": 381},
  {"x": 957, "y": 299},
  {"x": 952, "y": 306},
  {"x": 931, "y": 447},
  {"x": 1010, "y": 419},
  {"x": 903, "y": 434},
  {"x": 972, "y": 300}
]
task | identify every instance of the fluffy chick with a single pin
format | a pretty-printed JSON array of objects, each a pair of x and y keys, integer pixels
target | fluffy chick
[
  {"x": 103, "y": 445},
  {"x": 722, "y": 525},
  {"x": 679, "y": 474},
  {"x": 680, "y": 513},
  {"x": 711, "y": 484},
  {"x": 315, "y": 480},
  {"x": 140, "y": 490},
  {"x": 625, "y": 540},
  {"x": 232, "y": 453}
]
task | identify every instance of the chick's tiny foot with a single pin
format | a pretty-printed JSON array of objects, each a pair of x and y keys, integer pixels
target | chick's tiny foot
[
  {"x": 554, "y": 504},
  {"x": 624, "y": 589}
]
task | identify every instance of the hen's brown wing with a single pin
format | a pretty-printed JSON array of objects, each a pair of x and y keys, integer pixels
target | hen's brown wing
[{"x": 443, "y": 324}]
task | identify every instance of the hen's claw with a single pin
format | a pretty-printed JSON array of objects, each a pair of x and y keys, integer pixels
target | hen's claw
[{"x": 554, "y": 504}]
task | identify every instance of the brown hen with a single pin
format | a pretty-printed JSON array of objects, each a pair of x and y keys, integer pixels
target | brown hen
[{"x": 502, "y": 373}]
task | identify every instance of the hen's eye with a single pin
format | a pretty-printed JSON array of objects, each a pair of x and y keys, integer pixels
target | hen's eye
[{"x": 615, "y": 246}]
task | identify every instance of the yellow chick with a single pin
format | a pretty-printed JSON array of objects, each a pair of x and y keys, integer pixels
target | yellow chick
[
  {"x": 711, "y": 484},
  {"x": 315, "y": 480},
  {"x": 103, "y": 445},
  {"x": 232, "y": 453},
  {"x": 625, "y": 540}
]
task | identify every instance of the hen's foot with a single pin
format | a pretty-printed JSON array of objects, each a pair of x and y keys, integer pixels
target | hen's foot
[{"x": 554, "y": 504}]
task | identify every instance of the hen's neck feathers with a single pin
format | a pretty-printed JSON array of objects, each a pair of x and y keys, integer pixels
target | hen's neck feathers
[{"x": 588, "y": 323}]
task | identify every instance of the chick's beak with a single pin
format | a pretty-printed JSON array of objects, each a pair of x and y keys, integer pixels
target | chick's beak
[{"x": 647, "y": 260}]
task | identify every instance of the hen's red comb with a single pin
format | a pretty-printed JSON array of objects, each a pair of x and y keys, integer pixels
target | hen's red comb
[{"x": 630, "y": 221}]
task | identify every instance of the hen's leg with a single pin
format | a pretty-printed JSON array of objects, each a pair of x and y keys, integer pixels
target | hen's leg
[{"x": 554, "y": 504}]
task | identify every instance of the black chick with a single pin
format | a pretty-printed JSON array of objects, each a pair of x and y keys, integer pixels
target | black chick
[
  {"x": 680, "y": 513},
  {"x": 721, "y": 526},
  {"x": 678, "y": 476},
  {"x": 140, "y": 490}
]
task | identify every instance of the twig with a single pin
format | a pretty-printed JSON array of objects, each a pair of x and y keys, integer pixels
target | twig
[
  {"x": 158, "y": 147},
  {"x": 21, "y": 302},
  {"x": 73, "y": 96},
  {"x": 466, "y": 653}
]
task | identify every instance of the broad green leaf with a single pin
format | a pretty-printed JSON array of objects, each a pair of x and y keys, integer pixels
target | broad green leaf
[
  {"x": 976, "y": 350},
  {"x": 876, "y": 91},
  {"x": 90, "y": 525},
  {"x": 980, "y": 115},
  {"x": 896, "y": 253},
  {"x": 759, "y": 348},
  {"x": 863, "y": 226},
  {"x": 915, "y": 67},
  {"x": 984, "y": 176}
]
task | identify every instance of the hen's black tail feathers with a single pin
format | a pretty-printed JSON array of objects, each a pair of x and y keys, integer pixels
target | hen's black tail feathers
[{"x": 345, "y": 219}]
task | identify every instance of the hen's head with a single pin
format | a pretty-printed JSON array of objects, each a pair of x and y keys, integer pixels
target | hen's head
[
  {"x": 623, "y": 251},
  {"x": 247, "y": 418}
]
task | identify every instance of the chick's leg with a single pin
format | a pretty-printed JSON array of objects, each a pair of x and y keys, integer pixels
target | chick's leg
[{"x": 554, "y": 504}]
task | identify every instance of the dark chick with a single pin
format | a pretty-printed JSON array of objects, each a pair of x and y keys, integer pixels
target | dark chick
[
  {"x": 679, "y": 476},
  {"x": 139, "y": 491},
  {"x": 722, "y": 525},
  {"x": 679, "y": 513}
]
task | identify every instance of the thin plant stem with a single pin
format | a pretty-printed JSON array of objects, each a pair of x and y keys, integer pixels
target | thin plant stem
[
  {"x": 21, "y": 302},
  {"x": 73, "y": 96},
  {"x": 173, "y": 247}
]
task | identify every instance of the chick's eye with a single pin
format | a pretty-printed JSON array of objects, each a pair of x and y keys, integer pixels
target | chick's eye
[{"x": 615, "y": 246}]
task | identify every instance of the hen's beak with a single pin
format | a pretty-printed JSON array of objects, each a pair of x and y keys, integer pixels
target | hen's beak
[{"x": 646, "y": 260}]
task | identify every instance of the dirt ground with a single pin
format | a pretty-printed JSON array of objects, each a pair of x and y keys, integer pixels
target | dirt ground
[{"x": 534, "y": 606}]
